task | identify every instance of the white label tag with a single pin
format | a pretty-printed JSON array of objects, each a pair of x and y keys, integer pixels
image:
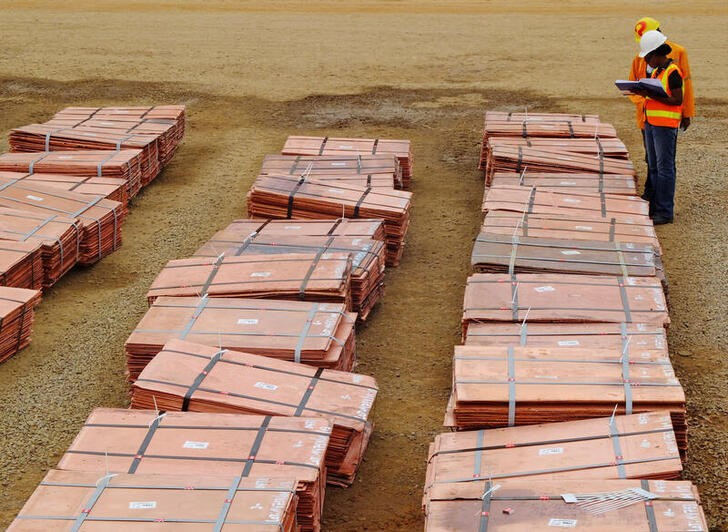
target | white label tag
[
  {"x": 292, "y": 227},
  {"x": 345, "y": 147},
  {"x": 265, "y": 386},
  {"x": 143, "y": 505},
  {"x": 567, "y": 343},
  {"x": 195, "y": 444},
  {"x": 338, "y": 164},
  {"x": 571, "y": 183},
  {"x": 571, "y": 252},
  {"x": 541, "y": 289},
  {"x": 248, "y": 321},
  {"x": 34, "y": 198},
  {"x": 572, "y": 200},
  {"x": 337, "y": 191},
  {"x": 65, "y": 156},
  {"x": 260, "y": 274},
  {"x": 584, "y": 227},
  {"x": 550, "y": 450},
  {"x": 563, "y": 523}
]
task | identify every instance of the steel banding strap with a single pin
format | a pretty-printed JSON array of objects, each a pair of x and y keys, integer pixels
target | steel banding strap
[
  {"x": 625, "y": 300},
  {"x": 583, "y": 118},
  {"x": 524, "y": 333},
  {"x": 627, "y": 385},
  {"x": 304, "y": 332},
  {"x": 620, "y": 256},
  {"x": 529, "y": 143},
  {"x": 531, "y": 200},
  {"x": 369, "y": 180},
  {"x": 374, "y": 148},
  {"x": 514, "y": 252},
  {"x": 48, "y": 137},
  {"x": 323, "y": 145},
  {"x": 145, "y": 443},
  {"x": 649, "y": 508},
  {"x": 295, "y": 164},
  {"x": 612, "y": 228},
  {"x": 524, "y": 224},
  {"x": 198, "y": 380},
  {"x": 90, "y": 204},
  {"x": 524, "y": 131},
  {"x": 312, "y": 268},
  {"x": 99, "y": 167},
  {"x": 213, "y": 273},
  {"x": 121, "y": 141},
  {"x": 485, "y": 507},
  {"x": 618, "y": 458},
  {"x": 245, "y": 244},
  {"x": 601, "y": 181},
  {"x": 478, "y": 458},
  {"x": 358, "y": 164},
  {"x": 571, "y": 129},
  {"x": 308, "y": 392},
  {"x": 100, "y": 487},
  {"x": 521, "y": 177},
  {"x": 227, "y": 502},
  {"x": 361, "y": 200},
  {"x": 603, "y": 201},
  {"x": 289, "y": 212},
  {"x": 32, "y": 163},
  {"x": 256, "y": 446},
  {"x": 514, "y": 298},
  {"x": 625, "y": 337},
  {"x": 519, "y": 162},
  {"x": 511, "y": 388},
  {"x": 9, "y": 184},
  {"x": 335, "y": 226},
  {"x": 196, "y": 314}
]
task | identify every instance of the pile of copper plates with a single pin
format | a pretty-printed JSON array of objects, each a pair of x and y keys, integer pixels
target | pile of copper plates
[
  {"x": 77, "y": 500},
  {"x": 563, "y": 298},
  {"x": 498, "y": 386},
  {"x": 318, "y": 334},
  {"x": 637, "y": 446},
  {"x": 186, "y": 376},
  {"x": 377, "y": 171},
  {"x": 16, "y": 318},
  {"x": 528, "y": 504},
  {"x": 367, "y": 255},
  {"x": 285, "y": 196},
  {"x": 321, "y": 277},
  {"x": 143, "y": 442},
  {"x": 122, "y": 164},
  {"x": 100, "y": 219},
  {"x": 21, "y": 264},
  {"x": 587, "y": 205},
  {"x": 58, "y": 237},
  {"x": 572, "y": 182},
  {"x": 318, "y": 146},
  {"x": 107, "y": 187}
]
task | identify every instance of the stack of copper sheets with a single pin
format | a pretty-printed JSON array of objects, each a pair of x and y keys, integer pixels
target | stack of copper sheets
[
  {"x": 100, "y": 219},
  {"x": 143, "y": 442},
  {"x": 318, "y": 334},
  {"x": 563, "y": 298},
  {"x": 527, "y": 504},
  {"x": 367, "y": 255},
  {"x": 497, "y": 253},
  {"x": 498, "y": 386},
  {"x": 342, "y": 146},
  {"x": 636, "y": 340},
  {"x": 377, "y": 171},
  {"x": 21, "y": 264},
  {"x": 285, "y": 196},
  {"x": 573, "y": 182},
  {"x": 608, "y": 147},
  {"x": 587, "y": 205},
  {"x": 16, "y": 319},
  {"x": 186, "y": 376},
  {"x": 122, "y": 164},
  {"x": 107, "y": 187},
  {"x": 59, "y": 238},
  {"x": 637, "y": 229},
  {"x": 323, "y": 277},
  {"x": 639, "y": 446},
  {"x": 42, "y": 137},
  {"x": 77, "y": 500}
]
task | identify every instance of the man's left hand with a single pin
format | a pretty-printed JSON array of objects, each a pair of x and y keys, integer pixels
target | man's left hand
[{"x": 685, "y": 123}]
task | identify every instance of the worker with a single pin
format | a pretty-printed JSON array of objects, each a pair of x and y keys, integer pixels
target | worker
[
  {"x": 663, "y": 115},
  {"x": 640, "y": 69}
]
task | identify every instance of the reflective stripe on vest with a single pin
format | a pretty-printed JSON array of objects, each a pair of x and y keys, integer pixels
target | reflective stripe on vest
[{"x": 658, "y": 113}]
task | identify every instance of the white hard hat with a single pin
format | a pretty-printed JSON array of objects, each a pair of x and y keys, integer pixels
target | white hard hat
[{"x": 651, "y": 41}]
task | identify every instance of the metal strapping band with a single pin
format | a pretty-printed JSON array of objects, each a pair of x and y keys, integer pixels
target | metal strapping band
[
  {"x": 619, "y": 459},
  {"x": 519, "y": 162},
  {"x": 143, "y": 446},
  {"x": 227, "y": 502},
  {"x": 601, "y": 167},
  {"x": 333, "y": 227},
  {"x": 295, "y": 164},
  {"x": 524, "y": 333},
  {"x": 478, "y": 458},
  {"x": 374, "y": 148},
  {"x": 625, "y": 336},
  {"x": 649, "y": 508},
  {"x": 601, "y": 181},
  {"x": 514, "y": 298},
  {"x": 612, "y": 228},
  {"x": 524, "y": 131},
  {"x": 514, "y": 252},
  {"x": 213, "y": 273},
  {"x": 196, "y": 314},
  {"x": 121, "y": 141},
  {"x": 201, "y": 377},
  {"x": 361, "y": 200},
  {"x": 99, "y": 167},
  {"x": 312, "y": 268},
  {"x": 248, "y": 240},
  {"x": 289, "y": 212},
  {"x": 511, "y": 388},
  {"x": 531, "y": 200},
  {"x": 358, "y": 164},
  {"x": 309, "y": 391},
  {"x": 524, "y": 225},
  {"x": 304, "y": 332},
  {"x": 625, "y": 300},
  {"x": 571, "y": 129},
  {"x": 369, "y": 180},
  {"x": 100, "y": 487},
  {"x": 620, "y": 256},
  {"x": 256, "y": 446},
  {"x": 323, "y": 145},
  {"x": 603, "y": 201},
  {"x": 583, "y": 118},
  {"x": 485, "y": 508},
  {"x": 529, "y": 143},
  {"x": 599, "y": 147},
  {"x": 627, "y": 385},
  {"x": 32, "y": 163}
]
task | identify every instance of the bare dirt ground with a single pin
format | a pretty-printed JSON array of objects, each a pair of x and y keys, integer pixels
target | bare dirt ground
[{"x": 252, "y": 72}]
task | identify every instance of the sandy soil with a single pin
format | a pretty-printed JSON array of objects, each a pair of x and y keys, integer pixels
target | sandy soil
[{"x": 253, "y": 72}]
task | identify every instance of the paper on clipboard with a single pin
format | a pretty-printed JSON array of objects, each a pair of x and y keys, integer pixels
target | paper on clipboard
[{"x": 654, "y": 86}]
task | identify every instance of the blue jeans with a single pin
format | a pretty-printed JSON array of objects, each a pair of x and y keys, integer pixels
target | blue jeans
[{"x": 660, "y": 145}]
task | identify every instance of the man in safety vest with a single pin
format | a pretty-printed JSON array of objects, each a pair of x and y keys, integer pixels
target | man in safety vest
[
  {"x": 663, "y": 115},
  {"x": 640, "y": 69}
]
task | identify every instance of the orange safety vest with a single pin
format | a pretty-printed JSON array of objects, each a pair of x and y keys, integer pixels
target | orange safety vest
[{"x": 658, "y": 113}]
